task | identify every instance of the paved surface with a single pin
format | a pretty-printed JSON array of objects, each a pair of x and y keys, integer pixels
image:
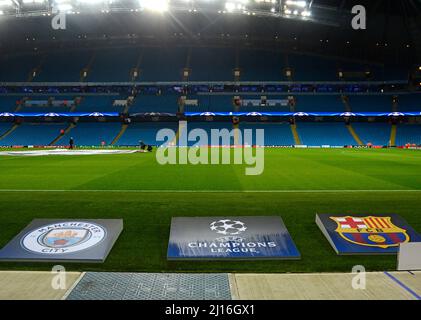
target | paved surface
[
  {"x": 379, "y": 286},
  {"x": 15, "y": 285},
  {"x": 156, "y": 286},
  {"x": 152, "y": 286}
]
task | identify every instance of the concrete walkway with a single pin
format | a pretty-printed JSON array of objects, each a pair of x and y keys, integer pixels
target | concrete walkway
[
  {"x": 143, "y": 286},
  {"x": 28, "y": 285}
]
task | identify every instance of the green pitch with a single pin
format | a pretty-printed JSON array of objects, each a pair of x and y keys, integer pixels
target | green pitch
[{"x": 296, "y": 184}]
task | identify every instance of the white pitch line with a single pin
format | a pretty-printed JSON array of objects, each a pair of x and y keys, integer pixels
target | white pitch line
[{"x": 209, "y": 191}]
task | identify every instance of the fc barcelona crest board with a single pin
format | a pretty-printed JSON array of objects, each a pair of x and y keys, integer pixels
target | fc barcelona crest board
[
  {"x": 64, "y": 241},
  {"x": 365, "y": 234}
]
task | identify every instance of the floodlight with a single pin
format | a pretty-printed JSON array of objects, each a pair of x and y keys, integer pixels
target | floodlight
[
  {"x": 4, "y": 3},
  {"x": 154, "y": 5}
]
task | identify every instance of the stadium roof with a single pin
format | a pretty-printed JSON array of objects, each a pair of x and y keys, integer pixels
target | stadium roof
[{"x": 393, "y": 31}]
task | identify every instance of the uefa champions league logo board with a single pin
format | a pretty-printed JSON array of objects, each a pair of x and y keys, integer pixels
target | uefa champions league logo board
[
  {"x": 364, "y": 234},
  {"x": 64, "y": 241},
  {"x": 230, "y": 238}
]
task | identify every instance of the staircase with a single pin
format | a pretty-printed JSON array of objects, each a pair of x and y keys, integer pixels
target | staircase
[
  {"x": 393, "y": 132},
  {"x": 236, "y": 128},
  {"x": 70, "y": 127},
  {"x": 8, "y": 132},
  {"x": 345, "y": 101},
  {"x": 354, "y": 135},
  {"x": 294, "y": 131},
  {"x": 120, "y": 134}
]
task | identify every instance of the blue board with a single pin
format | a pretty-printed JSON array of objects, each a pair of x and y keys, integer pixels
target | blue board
[
  {"x": 230, "y": 238},
  {"x": 366, "y": 234}
]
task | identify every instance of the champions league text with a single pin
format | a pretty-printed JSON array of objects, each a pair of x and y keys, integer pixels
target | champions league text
[{"x": 231, "y": 246}]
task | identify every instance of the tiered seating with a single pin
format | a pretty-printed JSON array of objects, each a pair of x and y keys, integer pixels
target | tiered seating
[
  {"x": 210, "y": 103},
  {"x": 40, "y": 104},
  {"x": 259, "y": 65},
  {"x": 58, "y": 67},
  {"x": 146, "y": 132},
  {"x": 113, "y": 65},
  {"x": 33, "y": 134},
  {"x": 152, "y": 103},
  {"x": 8, "y": 103},
  {"x": 208, "y": 126},
  {"x": 18, "y": 68},
  {"x": 162, "y": 64},
  {"x": 92, "y": 134},
  {"x": 101, "y": 103},
  {"x": 319, "y": 103},
  {"x": 322, "y": 133},
  {"x": 276, "y": 134},
  {"x": 408, "y": 133},
  {"x": 409, "y": 102},
  {"x": 212, "y": 64},
  {"x": 370, "y": 103},
  {"x": 374, "y": 133},
  {"x": 311, "y": 68},
  {"x": 4, "y": 126}
]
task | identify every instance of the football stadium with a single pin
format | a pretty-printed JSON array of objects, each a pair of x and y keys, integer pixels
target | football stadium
[{"x": 210, "y": 150}]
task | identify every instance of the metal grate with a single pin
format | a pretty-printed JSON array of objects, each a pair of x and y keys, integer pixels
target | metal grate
[{"x": 151, "y": 286}]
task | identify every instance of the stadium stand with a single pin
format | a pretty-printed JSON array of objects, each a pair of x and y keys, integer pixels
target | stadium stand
[
  {"x": 318, "y": 103},
  {"x": 155, "y": 103},
  {"x": 409, "y": 102},
  {"x": 109, "y": 64},
  {"x": 319, "y": 134},
  {"x": 370, "y": 103},
  {"x": 146, "y": 132},
  {"x": 8, "y": 103},
  {"x": 17, "y": 68},
  {"x": 312, "y": 68},
  {"x": 259, "y": 65},
  {"x": 53, "y": 68},
  {"x": 375, "y": 133},
  {"x": 4, "y": 127},
  {"x": 162, "y": 64},
  {"x": 408, "y": 133},
  {"x": 276, "y": 134},
  {"x": 99, "y": 103},
  {"x": 212, "y": 64},
  {"x": 92, "y": 134},
  {"x": 33, "y": 134}
]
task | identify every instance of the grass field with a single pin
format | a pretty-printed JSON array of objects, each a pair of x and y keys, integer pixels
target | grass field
[{"x": 296, "y": 185}]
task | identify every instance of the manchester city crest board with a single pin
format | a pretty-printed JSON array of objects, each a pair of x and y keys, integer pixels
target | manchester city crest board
[
  {"x": 64, "y": 241},
  {"x": 365, "y": 234}
]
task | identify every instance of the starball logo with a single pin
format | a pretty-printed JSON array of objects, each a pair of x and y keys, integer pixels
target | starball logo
[{"x": 212, "y": 147}]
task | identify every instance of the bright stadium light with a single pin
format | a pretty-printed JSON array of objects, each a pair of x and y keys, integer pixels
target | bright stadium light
[
  {"x": 91, "y": 2},
  {"x": 154, "y": 5},
  {"x": 296, "y": 3},
  {"x": 33, "y": 1},
  {"x": 5, "y": 3},
  {"x": 236, "y": 5},
  {"x": 63, "y": 5}
]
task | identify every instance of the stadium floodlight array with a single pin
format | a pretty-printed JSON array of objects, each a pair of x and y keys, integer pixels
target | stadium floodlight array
[
  {"x": 260, "y": 8},
  {"x": 297, "y": 8}
]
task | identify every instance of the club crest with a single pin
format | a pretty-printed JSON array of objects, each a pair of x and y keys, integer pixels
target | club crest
[
  {"x": 64, "y": 237},
  {"x": 371, "y": 231}
]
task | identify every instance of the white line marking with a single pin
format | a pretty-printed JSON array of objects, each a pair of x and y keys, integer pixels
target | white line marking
[{"x": 210, "y": 191}]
